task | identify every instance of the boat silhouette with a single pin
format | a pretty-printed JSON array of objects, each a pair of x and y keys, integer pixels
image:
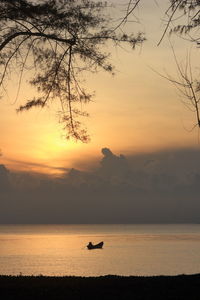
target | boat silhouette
[{"x": 90, "y": 246}]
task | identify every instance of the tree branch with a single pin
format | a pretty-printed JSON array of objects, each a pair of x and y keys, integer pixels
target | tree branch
[{"x": 38, "y": 34}]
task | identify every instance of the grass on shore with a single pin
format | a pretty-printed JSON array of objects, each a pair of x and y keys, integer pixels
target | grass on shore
[{"x": 103, "y": 287}]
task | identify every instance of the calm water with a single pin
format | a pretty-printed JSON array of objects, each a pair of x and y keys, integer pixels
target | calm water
[{"x": 129, "y": 249}]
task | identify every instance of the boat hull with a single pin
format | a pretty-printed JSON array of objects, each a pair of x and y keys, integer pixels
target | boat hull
[{"x": 97, "y": 246}]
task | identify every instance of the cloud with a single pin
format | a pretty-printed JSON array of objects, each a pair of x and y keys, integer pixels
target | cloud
[
  {"x": 4, "y": 178},
  {"x": 113, "y": 164},
  {"x": 155, "y": 187},
  {"x": 32, "y": 167}
]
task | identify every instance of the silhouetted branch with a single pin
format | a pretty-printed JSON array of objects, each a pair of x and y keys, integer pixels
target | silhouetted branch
[
  {"x": 188, "y": 87},
  {"x": 169, "y": 20},
  {"x": 58, "y": 40},
  {"x": 189, "y": 14},
  {"x": 131, "y": 6},
  {"x": 38, "y": 34}
]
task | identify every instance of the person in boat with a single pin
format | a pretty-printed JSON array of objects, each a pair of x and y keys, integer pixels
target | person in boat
[{"x": 89, "y": 245}]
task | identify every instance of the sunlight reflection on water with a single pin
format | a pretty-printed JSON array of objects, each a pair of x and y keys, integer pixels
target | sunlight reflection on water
[{"x": 129, "y": 249}]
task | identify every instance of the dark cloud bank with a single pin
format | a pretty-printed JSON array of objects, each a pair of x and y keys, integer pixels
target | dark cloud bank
[{"x": 155, "y": 188}]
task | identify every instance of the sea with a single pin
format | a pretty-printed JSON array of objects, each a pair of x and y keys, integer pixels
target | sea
[{"x": 129, "y": 249}]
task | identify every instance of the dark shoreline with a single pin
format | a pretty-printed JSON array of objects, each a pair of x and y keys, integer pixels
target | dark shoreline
[{"x": 103, "y": 287}]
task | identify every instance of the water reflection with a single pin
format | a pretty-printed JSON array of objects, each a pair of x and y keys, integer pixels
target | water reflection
[{"x": 128, "y": 250}]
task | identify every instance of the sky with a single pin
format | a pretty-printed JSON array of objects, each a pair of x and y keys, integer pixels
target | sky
[
  {"x": 132, "y": 112},
  {"x": 136, "y": 115}
]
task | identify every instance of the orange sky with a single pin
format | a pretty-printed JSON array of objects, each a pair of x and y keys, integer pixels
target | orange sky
[{"x": 134, "y": 111}]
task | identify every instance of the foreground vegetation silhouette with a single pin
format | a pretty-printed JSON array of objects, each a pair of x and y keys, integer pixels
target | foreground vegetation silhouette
[
  {"x": 105, "y": 287},
  {"x": 57, "y": 41}
]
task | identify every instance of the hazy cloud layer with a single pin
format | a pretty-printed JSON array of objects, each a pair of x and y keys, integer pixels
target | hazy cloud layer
[{"x": 148, "y": 188}]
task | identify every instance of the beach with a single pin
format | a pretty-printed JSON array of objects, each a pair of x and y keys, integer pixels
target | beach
[{"x": 103, "y": 287}]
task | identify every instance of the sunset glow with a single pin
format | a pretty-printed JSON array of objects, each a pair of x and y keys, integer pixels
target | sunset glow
[{"x": 135, "y": 111}]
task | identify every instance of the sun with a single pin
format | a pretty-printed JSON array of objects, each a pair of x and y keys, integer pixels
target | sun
[{"x": 54, "y": 148}]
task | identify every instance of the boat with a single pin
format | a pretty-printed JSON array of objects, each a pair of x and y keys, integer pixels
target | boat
[{"x": 90, "y": 246}]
